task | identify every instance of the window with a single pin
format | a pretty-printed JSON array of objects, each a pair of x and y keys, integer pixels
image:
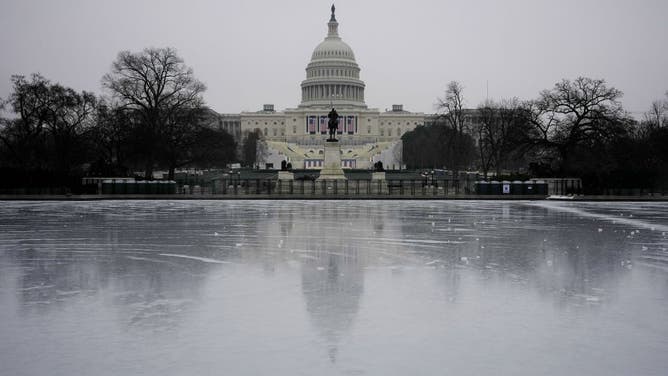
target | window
[
  {"x": 294, "y": 129},
  {"x": 274, "y": 132},
  {"x": 266, "y": 132}
]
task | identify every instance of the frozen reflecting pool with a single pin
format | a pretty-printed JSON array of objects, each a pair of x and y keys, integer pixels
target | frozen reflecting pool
[{"x": 333, "y": 288}]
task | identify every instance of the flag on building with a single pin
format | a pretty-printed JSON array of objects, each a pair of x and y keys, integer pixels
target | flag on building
[
  {"x": 323, "y": 124},
  {"x": 311, "y": 125}
]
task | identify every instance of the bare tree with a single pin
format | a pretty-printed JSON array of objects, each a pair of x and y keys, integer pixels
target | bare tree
[
  {"x": 51, "y": 120},
  {"x": 253, "y": 148},
  {"x": 502, "y": 129},
  {"x": 111, "y": 139},
  {"x": 575, "y": 114},
  {"x": 656, "y": 116},
  {"x": 451, "y": 113},
  {"x": 22, "y": 136},
  {"x": 158, "y": 86},
  {"x": 188, "y": 142},
  {"x": 70, "y": 116},
  {"x": 451, "y": 106},
  {"x": 483, "y": 129}
]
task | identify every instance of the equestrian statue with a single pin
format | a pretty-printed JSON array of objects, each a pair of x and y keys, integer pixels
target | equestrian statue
[{"x": 333, "y": 124}]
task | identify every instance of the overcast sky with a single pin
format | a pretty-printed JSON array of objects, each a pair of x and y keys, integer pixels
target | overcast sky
[{"x": 250, "y": 52}]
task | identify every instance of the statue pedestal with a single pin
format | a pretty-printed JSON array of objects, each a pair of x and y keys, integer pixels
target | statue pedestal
[
  {"x": 378, "y": 175},
  {"x": 286, "y": 175},
  {"x": 331, "y": 169}
]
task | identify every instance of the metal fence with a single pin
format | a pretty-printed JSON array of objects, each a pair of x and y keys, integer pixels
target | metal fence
[
  {"x": 339, "y": 188},
  {"x": 259, "y": 187}
]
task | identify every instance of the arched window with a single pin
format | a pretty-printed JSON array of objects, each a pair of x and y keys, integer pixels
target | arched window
[{"x": 266, "y": 132}]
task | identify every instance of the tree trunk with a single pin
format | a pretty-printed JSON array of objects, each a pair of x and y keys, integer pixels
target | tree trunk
[
  {"x": 148, "y": 172},
  {"x": 171, "y": 171}
]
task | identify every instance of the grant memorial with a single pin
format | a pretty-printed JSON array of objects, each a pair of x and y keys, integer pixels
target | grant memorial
[{"x": 332, "y": 166}]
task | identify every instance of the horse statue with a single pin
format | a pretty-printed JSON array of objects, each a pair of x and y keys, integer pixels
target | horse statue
[{"x": 333, "y": 124}]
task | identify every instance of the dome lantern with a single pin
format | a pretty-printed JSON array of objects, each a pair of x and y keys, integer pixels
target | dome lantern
[{"x": 333, "y": 26}]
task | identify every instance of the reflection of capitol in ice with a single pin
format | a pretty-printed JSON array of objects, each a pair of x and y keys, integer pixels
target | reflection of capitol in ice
[
  {"x": 332, "y": 287},
  {"x": 331, "y": 257}
]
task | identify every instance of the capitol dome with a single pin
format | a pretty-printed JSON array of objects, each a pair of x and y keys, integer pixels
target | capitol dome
[
  {"x": 332, "y": 48},
  {"x": 332, "y": 76}
]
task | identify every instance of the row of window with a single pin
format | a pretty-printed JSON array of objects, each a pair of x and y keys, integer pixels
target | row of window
[
  {"x": 389, "y": 132},
  {"x": 275, "y": 131},
  {"x": 315, "y": 163},
  {"x": 266, "y": 132},
  {"x": 332, "y": 72},
  {"x": 333, "y": 53},
  {"x": 390, "y": 123},
  {"x": 265, "y": 123},
  {"x": 368, "y": 130},
  {"x": 329, "y": 91}
]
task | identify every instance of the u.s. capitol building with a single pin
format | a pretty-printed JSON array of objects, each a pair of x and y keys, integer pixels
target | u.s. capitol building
[{"x": 297, "y": 135}]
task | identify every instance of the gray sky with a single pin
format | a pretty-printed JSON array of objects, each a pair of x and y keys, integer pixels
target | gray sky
[{"x": 252, "y": 52}]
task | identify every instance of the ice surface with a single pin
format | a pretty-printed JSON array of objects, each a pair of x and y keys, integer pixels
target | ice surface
[{"x": 333, "y": 287}]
